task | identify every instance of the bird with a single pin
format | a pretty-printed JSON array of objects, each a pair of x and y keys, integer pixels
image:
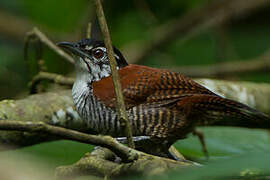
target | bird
[{"x": 161, "y": 105}]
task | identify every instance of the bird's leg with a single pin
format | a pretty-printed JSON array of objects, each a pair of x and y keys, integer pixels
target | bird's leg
[{"x": 202, "y": 141}]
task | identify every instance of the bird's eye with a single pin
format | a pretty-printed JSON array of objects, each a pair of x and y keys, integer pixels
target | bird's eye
[{"x": 98, "y": 53}]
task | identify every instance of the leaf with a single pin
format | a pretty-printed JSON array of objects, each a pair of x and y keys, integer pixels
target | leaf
[{"x": 222, "y": 142}]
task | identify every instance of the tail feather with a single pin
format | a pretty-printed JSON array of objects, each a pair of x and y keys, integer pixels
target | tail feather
[
  {"x": 244, "y": 116},
  {"x": 215, "y": 110}
]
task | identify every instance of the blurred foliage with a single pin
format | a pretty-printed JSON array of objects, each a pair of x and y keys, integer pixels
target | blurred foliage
[
  {"x": 61, "y": 15},
  {"x": 230, "y": 148},
  {"x": 247, "y": 37}
]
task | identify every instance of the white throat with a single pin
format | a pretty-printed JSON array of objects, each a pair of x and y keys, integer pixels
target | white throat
[{"x": 85, "y": 76}]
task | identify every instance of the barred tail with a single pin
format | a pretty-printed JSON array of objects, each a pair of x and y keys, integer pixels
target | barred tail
[
  {"x": 215, "y": 110},
  {"x": 239, "y": 114}
]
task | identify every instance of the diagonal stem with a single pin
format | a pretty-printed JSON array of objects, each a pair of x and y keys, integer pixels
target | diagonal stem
[
  {"x": 36, "y": 33},
  {"x": 121, "y": 110}
]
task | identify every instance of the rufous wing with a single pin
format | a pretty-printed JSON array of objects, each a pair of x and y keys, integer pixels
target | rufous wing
[{"x": 141, "y": 84}]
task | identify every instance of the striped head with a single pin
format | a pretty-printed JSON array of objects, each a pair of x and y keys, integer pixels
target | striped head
[{"x": 91, "y": 59}]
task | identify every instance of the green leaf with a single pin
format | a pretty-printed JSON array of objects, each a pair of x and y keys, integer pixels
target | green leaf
[{"x": 222, "y": 142}]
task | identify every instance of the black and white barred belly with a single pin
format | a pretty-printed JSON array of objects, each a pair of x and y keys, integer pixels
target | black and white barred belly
[
  {"x": 99, "y": 118},
  {"x": 144, "y": 119}
]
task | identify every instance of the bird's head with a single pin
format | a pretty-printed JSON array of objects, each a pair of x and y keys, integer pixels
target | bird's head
[{"x": 91, "y": 58}]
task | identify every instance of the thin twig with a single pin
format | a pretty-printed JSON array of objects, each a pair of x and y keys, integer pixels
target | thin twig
[
  {"x": 190, "y": 25},
  {"x": 258, "y": 64},
  {"x": 30, "y": 37},
  {"x": 127, "y": 154},
  {"x": 52, "y": 77},
  {"x": 36, "y": 33},
  {"x": 88, "y": 30},
  {"x": 121, "y": 110}
]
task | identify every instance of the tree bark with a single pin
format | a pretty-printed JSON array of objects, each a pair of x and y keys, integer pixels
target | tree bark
[
  {"x": 101, "y": 162},
  {"x": 55, "y": 108}
]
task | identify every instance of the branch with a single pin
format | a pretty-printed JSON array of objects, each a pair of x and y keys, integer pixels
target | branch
[
  {"x": 125, "y": 153},
  {"x": 120, "y": 104},
  {"x": 55, "y": 108},
  {"x": 190, "y": 25},
  {"x": 88, "y": 30},
  {"x": 101, "y": 162},
  {"x": 257, "y": 64},
  {"x": 36, "y": 33},
  {"x": 52, "y": 77},
  {"x": 256, "y": 95}
]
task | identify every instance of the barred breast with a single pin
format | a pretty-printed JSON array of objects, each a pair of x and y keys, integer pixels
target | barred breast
[
  {"x": 146, "y": 119},
  {"x": 100, "y": 119}
]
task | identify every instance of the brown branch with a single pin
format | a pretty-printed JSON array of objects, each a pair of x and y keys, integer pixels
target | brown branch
[
  {"x": 121, "y": 110},
  {"x": 190, "y": 25},
  {"x": 52, "y": 77},
  {"x": 125, "y": 153},
  {"x": 94, "y": 165},
  {"x": 257, "y": 64},
  {"x": 36, "y": 33},
  {"x": 88, "y": 30},
  {"x": 55, "y": 108},
  {"x": 102, "y": 162},
  {"x": 42, "y": 39},
  {"x": 98, "y": 163}
]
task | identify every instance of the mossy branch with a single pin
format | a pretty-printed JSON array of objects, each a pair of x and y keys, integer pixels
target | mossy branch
[
  {"x": 125, "y": 153},
  {"x": 102, "y": 162},
  {"x": 99, "y": 163}
]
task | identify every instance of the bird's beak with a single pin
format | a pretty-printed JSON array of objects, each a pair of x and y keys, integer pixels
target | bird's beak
[{"x": 72, "y": 48}]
